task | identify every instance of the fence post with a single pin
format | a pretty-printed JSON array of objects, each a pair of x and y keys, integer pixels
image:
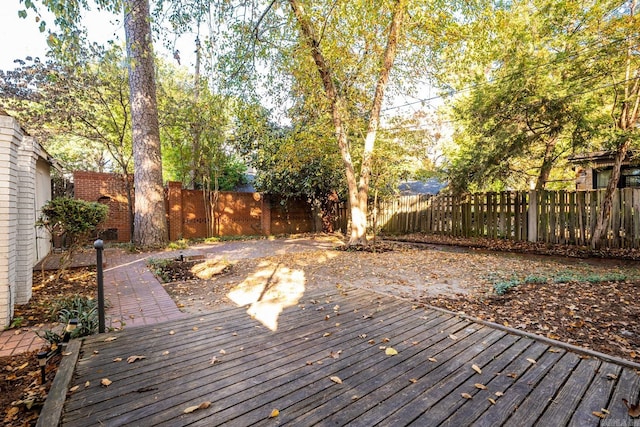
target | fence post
[
  {"x": 99, "y": 245},
  {"x": 532, "y": 217}
]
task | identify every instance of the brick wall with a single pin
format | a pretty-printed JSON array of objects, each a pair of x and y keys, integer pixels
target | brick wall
[
  {"x": 19, "y": 159},
  {"x": 10, "y": 138},
  {"x": 237, "y": 214},
  {"x": 109, "y": 189}
]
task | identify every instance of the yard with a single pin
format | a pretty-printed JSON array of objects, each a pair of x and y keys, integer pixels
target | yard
[{"x": 584, "y": 302}]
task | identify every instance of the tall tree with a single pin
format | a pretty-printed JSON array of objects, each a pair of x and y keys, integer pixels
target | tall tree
[
  {"x": 150, "y": 227},
  {"x": 357, "y": 185},
  {"x": 625, "y": 108}
]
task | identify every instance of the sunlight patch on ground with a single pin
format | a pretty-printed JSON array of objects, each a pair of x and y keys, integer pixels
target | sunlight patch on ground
[{"x": 268, "y": 291}]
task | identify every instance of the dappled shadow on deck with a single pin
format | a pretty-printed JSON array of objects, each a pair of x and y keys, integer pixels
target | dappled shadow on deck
[{"x": 246, "y": 371}]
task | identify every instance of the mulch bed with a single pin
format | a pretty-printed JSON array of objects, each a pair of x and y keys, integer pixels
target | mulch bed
[
  {"x": 21, "y": 392},
  {"x": 603, "y": 316}
]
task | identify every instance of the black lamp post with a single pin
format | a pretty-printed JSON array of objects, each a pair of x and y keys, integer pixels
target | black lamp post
[{"x": 99, "y": 245}]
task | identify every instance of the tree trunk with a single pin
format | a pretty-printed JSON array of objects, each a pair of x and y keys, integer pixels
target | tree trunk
[
  {"x": 627, "y": 122},
  {"x": 547, "y": 163},
  {"x": 150, "y": 225},
  {"x": 358, "y": 191},
  {"x": 600, "y": 231}
]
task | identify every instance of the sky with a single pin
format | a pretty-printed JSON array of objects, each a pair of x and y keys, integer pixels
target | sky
[{"x": 21, "y": 37}]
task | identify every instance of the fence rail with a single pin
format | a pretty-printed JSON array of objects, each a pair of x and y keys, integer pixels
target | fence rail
[{"x": 563, "y": 217}]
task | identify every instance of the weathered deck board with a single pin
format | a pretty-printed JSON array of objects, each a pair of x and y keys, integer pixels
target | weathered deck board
[{"x": 341, "y": 333}]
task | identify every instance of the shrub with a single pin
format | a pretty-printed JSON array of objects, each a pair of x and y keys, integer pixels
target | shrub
[
  {"x": 75, "y": 220},
  {"x": 82, "y": 308}
]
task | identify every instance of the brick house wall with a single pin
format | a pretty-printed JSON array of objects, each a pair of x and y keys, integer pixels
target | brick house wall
[{"x": 24, "y": 168}]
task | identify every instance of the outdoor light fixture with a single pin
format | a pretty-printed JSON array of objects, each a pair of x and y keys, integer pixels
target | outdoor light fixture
[
  {"x": 42, "y": 362},
  {"x": 44, "y": 356}
]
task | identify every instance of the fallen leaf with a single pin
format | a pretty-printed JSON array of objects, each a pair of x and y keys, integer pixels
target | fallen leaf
[
  {"x": 24, "y": 365},
  {"x": 363, "y": 336},
  {"x": 203, "y": 405},
  {"x": 74, "y": 388},
  {"x": 612, "y": 377},
  {"x": 476, "y": 368},
  {"x": 222, "y": 351},
  {"x": 118, "y": 359},
  {"x": 531, "y": 360},
  {"x": 309, "y": 362},
  {"x": 466, "y": 395},
  {"x": 335, "y": 354},
  {"x": 110, "y": 339},
  {"x": 336, "y": 380},
  {"x": 106, "y": 382},
  {"x": 605, "y": 411},
  {"x": 354, "y": 397},
  {"x": 135, "y": 358},
  {"x": 480, "y": 386},
  {"x": 164, "y": 353},
  {"x": 598, "y": 414},
  {"x": 554, "y": 350},
  {"x": 326, "y": 334},
  {"x": 390, "y": 351},
  {"x": 195, "y": 328},
  {"x": 432, "y": 359},
  {"x": 493, "y": 402},
  {"x": 172, "y": 332},
  {"x": 413, "y": 380},
  {"x": 336, "y": 307},
  {"x": 634, "y": 410},
  {"x": 371, "y": 341},
  {"x": 512, "y": 375},
  {"x": 11, "y": 412},
  {"x": 214, "y": 360},
  {"x": 274, "y": 413},
  {"x": 385, "y": 340},
  {"x": 453, "y": 337},
  {"x": 499, "y": 393},
  {"x": 87, "y": 384}
]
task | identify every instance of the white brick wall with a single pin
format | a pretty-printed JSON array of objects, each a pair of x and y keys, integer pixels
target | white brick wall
[
  {"x": 10, "y": 138},
  {"x": 25, "y": 247}
]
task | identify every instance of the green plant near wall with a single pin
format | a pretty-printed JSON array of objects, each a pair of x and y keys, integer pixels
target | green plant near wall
[
  {"x": 82, "y": 308},
  {"x": 74, "y": 220}
]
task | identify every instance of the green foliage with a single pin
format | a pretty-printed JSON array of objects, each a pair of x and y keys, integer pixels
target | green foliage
[
  {"x": 501, "y": 286},
  {"x": 16, "y": 322},
  {"x": 178, "y": 244},
  {"x": 82, "y": 308},
  {"x": 158, "y": 267},
  {"x": 74, "y": 219}
]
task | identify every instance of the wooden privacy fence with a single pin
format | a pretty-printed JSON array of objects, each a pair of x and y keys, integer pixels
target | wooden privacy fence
[
  {"x": 195, "y": 214},
  {"x": 563, "y": 217}
]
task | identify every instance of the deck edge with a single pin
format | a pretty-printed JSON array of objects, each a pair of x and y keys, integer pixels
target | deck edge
[{"x": 53, "y": 405}]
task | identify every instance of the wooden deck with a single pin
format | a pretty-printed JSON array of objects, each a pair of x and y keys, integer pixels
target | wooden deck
[{"x": 246, "y": 371}]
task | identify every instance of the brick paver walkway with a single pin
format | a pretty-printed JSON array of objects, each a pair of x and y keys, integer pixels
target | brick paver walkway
[{"x": 135, "y": 298}]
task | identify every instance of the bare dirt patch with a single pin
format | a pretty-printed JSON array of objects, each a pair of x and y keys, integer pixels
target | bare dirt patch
[{"x": 580, "y": 301}]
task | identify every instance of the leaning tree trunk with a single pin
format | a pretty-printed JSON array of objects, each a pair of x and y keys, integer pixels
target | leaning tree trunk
[
  {"x": 358, "y": 189},
  {"x": 600, "y": 231},
  {"x": 150, "y": 225},
  {"x": 547, "y": 164},
  {"x": 627, "y": 122}
]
